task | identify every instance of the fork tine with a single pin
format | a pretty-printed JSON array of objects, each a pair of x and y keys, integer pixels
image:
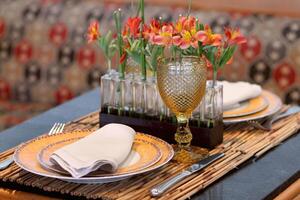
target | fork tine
[
  {"x": 52, "y": 129},
  {"x": 57, "y": 130},
  {"x": 61, "y": 128},
  {"x": 257, "y": 125}
]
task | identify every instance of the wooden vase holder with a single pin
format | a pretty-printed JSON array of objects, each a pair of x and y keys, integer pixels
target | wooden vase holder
[{"x": 203, "y": 137}]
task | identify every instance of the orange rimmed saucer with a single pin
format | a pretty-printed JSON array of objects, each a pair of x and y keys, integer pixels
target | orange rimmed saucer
[
  {"x": 248, "y": 107},
  {"x": 26, "y": 156},
  {"x": 143, "y": 154},
  {"x": 274, "y": 105}
]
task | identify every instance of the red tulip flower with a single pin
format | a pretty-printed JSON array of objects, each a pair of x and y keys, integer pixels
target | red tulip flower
[
  {"x": 132, "y": 27},
  {"x": 151, "y": 30}
]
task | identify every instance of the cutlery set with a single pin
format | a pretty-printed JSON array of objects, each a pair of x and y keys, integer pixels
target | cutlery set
[
  {"x": 161, "y": 188},
  {"x": 56, "y": 128},
  {"x": 158, "y": 190},
  {"x": 266, "y": 125}
]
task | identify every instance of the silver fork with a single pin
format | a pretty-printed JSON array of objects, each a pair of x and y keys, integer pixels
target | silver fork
[
  {"x": 267, "y": 124},
  {"x": 56, "y": 128}
]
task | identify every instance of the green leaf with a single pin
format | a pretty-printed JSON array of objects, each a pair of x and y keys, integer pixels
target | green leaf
[
  {"x": 135, "y": 56},
  {"x": 108, "y": 36},
  {"x": 208, "y": 47},
  {"x": 135, "y": 45},
  {"x": 156, "y": 52},
  {"x": 201, "y": 27},
  {"x": 226, "y": 55},
  {"x": 210, "y": 54}
]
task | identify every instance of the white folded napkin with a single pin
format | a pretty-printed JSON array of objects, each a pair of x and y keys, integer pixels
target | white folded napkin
[
  {"x": 105, "y": 148},
  {"x": 234, "y": 93}
]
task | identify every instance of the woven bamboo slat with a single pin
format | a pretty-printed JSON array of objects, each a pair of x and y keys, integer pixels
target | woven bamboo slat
[{"x": 240, "y": 144}]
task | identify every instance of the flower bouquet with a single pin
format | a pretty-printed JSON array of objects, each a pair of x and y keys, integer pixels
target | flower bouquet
[{"x": 134, "y": 93}]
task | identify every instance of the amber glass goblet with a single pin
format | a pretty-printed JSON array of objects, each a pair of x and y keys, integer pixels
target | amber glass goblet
[{"x": 181, "y": 84}]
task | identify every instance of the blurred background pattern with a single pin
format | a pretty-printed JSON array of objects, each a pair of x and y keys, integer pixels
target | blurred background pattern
[{"x": 45, "y": 59}]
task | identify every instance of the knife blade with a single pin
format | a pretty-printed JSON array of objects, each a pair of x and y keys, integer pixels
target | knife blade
[
  {"x": 5, "y": 163},
  {"x": 161, "y": 188}
]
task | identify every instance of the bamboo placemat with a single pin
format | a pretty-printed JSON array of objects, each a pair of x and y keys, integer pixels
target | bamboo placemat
[{"x": 240, "y": 144}]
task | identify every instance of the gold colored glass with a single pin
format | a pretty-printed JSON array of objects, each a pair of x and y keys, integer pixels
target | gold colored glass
[{"x": 181, "y": 84}]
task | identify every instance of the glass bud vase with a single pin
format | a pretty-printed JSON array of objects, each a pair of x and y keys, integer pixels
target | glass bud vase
[
  {"x": 211, "y": 107},
  {"x": 139, "y": 97},
  {"x": 118, "y": 96},
  {"x": 151, "y": 100},
  {"x": 106, "y": 90},
  {"x": 127, "y": 87}
]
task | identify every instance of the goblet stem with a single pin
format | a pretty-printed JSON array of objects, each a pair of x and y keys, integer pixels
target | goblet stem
[
  {"x": 184, "y": 152},
  {"x": 183, "y": 135}
]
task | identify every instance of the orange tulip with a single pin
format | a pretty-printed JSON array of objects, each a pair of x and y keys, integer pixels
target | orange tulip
[
  {"x": 209, "y": 38},
  {"x": 234, "y": 36},
  {"x": 151, "y": 30},
  {"x": 93, "y": 32},
  {"x": 185, "y": 23},
  {"x": 191, "y": 38},
  {"x": 165, "y": 36}
]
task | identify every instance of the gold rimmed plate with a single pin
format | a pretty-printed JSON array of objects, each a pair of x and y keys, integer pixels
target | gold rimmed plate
[
  {"x": 274, "y": 105},
  {"x": 248, "y": 107},
  {"x": 26, "y": 156},
  {"x": 143, "y": 154}
]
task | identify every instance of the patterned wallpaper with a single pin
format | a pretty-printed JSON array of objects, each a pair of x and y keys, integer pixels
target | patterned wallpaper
[{"x": 44, "y": 57}]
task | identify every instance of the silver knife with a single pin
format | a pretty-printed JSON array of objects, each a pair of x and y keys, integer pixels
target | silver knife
[
  {"x": 5, "y": 163},
  {"x": 159, "y": 189}
]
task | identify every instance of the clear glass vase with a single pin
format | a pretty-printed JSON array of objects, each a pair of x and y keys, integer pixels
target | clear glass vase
[
  {"x": 107, "y": 88},
  {"x": 139, "y": 97},
  {"x": 151, "y": 99},
  {"x": 106, "y": 91},
  {"x": 209, "y": 113},
  {"x": 122, "y": 94},
  {"x": 127, "y": 87}
]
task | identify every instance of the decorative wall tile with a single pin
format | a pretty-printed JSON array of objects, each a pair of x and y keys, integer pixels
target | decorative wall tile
[{"x": 44, "y": 56}]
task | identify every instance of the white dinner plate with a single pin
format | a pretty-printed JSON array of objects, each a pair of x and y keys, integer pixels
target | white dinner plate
[
  {"x": 274, "y": 105},
  {"x": 26, "y": 156}
]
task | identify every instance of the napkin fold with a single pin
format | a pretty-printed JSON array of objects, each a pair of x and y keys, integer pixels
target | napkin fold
[
  {"x": 235, "y": 93},
  {"x": 105, "y": 148}
]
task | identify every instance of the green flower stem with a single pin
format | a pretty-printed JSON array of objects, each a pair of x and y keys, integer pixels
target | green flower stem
[
  {"x": 143, "y": 57},
  {"x": 143, "y": 64},
  {"x": 210, "y": 122},
  {"x": 117, "y": 17},
  {"x": 108, "y": 60},
  {"x": 189, "y": 7},
  {"x": 215, "y": 73}
]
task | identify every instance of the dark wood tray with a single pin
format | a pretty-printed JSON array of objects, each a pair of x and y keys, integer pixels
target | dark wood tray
[{"x": 203, "y": 137}]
